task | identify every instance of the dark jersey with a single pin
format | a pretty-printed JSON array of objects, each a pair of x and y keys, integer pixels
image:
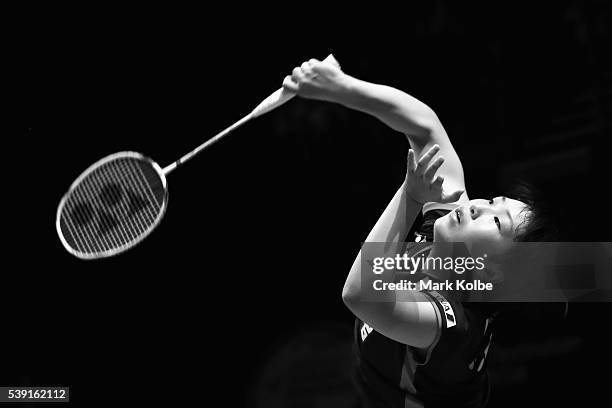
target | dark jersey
[{"x": 450, "y": 373}]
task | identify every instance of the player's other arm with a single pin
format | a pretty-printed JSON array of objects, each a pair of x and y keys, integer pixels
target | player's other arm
[
  {"x": 397, "y": 109},
  {"x": 410, "y": 319}
]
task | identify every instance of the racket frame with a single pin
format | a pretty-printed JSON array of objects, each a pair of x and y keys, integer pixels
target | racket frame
[{"x": 85, "y": 173}]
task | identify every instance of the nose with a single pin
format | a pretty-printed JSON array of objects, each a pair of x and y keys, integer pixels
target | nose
[{"x": 475, "y": 210}]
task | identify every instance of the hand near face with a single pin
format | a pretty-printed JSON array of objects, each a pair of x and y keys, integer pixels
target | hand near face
[{"x": 422, "y": 184}]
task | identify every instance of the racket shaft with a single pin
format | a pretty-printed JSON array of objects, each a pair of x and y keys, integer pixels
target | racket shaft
[{"x": 206, "y": 144}]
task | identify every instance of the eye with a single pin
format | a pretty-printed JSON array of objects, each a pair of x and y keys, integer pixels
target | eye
[
  {"x": 491, "y": 202},
  {"x": 497, "y": 222}
]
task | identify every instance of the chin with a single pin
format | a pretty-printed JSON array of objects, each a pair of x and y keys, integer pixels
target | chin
[{"x": 440, "y": 231}]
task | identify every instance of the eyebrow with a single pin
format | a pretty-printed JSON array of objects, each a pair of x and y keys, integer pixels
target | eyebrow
[
  {"x": 511, "y": 221},
  {"x": 509, "y": 216}
]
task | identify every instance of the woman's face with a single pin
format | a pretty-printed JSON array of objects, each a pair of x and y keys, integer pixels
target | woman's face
[{"x": 485, "y": 226}]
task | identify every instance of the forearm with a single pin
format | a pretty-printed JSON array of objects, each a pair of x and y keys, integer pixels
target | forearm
[
  {"x": 391, "y": 228},
  {"x": 393, "y": 107},
  {"x": 397, "y": 218},
  {"x": 404, "y": 114}
]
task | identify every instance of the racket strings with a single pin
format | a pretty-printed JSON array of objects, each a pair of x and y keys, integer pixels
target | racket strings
[
  {"x": 113, "y": 205},
  {"x": 84, "y": 195},
  {"x": 90, "y": 235},
  {"x": 103, "y": 187},
  {"x": 89, "y": 193},
  {"x": 94, "y": 187}
]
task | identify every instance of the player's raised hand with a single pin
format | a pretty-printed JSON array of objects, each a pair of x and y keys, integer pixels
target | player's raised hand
[
  {"x": 422, "y": 184},
  {"x": 314, "y": 79}
]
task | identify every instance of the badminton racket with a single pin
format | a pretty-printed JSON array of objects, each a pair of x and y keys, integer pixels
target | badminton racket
[{"x": 120, "y": 199}]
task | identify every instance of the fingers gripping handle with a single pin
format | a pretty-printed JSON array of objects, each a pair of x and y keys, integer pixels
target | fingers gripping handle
[{"x": 281, "y": 96}]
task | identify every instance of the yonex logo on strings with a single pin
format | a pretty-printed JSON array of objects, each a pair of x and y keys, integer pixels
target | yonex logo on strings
[{"x": 113, "y": 203}]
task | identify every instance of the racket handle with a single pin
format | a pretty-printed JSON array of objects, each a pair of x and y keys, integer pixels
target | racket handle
[
  {"x": 282, "y": 95},
  {"x": 273, "y": 101}
]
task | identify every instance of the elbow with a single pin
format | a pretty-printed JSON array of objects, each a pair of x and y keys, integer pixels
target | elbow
[
  {"x": 347, "y": 296},
  {"x": 421, "y": 123},
  {"x": 351, "y": 292},
  {"x": 365, "y": 311},
  {"x": 426, "y": 115},
  {"x": 350, "y": 295}
]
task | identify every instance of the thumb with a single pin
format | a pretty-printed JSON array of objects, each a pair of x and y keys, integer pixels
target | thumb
[
  {"x": 454, "y": 196},
  {"x": 332, "y": 60},
  {"x": 329, "y": 64}
]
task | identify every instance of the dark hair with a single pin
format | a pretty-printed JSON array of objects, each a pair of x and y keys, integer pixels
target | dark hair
[
  {"x": 542, "y": 221},
  {"x": 541, "y": 224}
]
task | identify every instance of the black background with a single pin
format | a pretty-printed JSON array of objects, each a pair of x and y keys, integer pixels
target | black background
[{"x": 262, "y": 229}]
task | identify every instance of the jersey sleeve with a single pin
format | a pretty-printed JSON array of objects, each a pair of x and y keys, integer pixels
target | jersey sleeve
[{"x": 453, "y": 325}]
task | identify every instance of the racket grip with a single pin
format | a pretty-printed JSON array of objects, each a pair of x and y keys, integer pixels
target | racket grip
[
  {"x": 282, "y": 95},
  {"x": 273, "y": 101}
]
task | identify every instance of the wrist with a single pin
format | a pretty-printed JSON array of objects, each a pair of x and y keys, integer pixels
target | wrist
[
  {"x": 345, "y": 92},
  {"x": 414, "y": 202}
]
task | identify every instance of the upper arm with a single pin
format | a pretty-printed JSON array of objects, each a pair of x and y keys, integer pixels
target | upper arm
[{"x": 412, "y": 321}]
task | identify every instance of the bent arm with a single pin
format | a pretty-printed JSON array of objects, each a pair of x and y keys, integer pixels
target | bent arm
[
  {"x": 411, "y": 319},
  {"x": 407, "y": 115},
  {"x": 402, "y": 112}
]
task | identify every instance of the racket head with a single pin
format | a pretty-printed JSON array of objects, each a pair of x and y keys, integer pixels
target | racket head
[{"x": 112, "y": 206}]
